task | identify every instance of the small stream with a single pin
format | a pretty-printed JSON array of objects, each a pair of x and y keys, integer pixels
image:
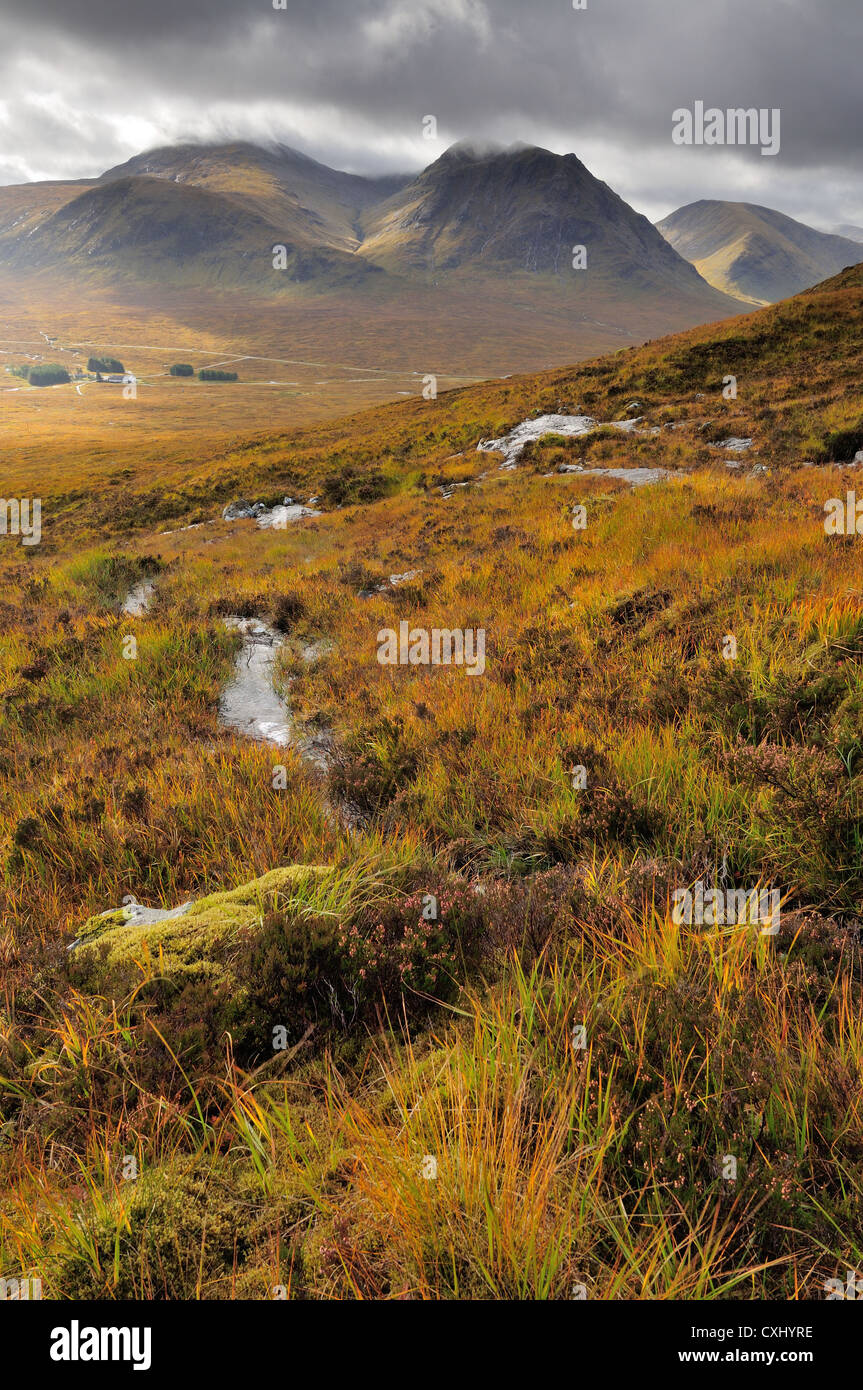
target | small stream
[{"x": 250, "y": 705}]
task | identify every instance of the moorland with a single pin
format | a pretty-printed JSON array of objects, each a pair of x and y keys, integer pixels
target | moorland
[{"x": 432, "y": 1029}]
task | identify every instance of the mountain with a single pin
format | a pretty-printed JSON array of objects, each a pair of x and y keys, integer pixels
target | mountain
[
  {"x": 153, "y": 229},
  {"x": 754, "y": 252},
  {"x": 849, "y": 231},
  {"x": 313, "y": 204},
  {"x": 523, "y": 209},
  {"x": 216, "y": 211},
  {"x": 25, "y": 206}
]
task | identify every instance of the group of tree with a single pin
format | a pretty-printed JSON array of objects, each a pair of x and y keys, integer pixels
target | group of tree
[
  {"x": 109, "y": 365},
  {"x": 182, "y": 369},
  {"x": 216, "y": 374},
  {"x": 47, "y": 374}
]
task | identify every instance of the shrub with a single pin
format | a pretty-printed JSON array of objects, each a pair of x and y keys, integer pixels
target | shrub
[
  {"x": 109, "y": 577},
  {"x": 290, "y": 970},
  {"x": 373, "y": 765},
  {"x": 413, "y": 951},
  {"x": 841, "y": 445},
  {"x": 180, "y": 1235},
  {"x": 351, "y": 485},
  {"x": 287, "y": 611}
]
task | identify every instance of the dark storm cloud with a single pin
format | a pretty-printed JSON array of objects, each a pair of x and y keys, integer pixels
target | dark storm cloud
[{"x": 86, "y": 83}]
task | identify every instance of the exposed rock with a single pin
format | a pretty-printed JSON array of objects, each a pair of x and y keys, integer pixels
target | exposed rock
[
  {"x": 280, "y": 517},
  {"x": 271, "y": 517},
  {"x": 242, "y": 508},
  {"x": 392, "y": 582},
  {"x": 137, "y": 601},
  {"x": 636, "y": 477},
  {"x": 193, "y": 526},
  {"x": 511, "y": 445},
  {"x": 131, "y": 915},
  {"x": 735, "y": 445}
]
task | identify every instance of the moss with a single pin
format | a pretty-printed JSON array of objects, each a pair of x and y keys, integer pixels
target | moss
[
  {"x": 201, "y": 969},
  {"x": 189, "y": 944}
]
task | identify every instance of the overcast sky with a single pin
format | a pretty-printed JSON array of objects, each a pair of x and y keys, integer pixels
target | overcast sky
[{"x": 84, "y": 84}]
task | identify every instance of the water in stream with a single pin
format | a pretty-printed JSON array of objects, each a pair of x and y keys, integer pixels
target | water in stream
[{"x": 249, "y": 704}]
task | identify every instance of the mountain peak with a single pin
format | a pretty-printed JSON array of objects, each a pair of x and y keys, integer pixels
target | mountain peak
[
  {"x": 476, "y": 151},
  {"x": 497, "y": 209}
]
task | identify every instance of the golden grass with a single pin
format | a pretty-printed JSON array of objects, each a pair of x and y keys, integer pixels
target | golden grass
[{"x": 558, "y": 1167}]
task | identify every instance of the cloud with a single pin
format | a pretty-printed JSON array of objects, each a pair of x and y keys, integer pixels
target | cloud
[{"x": 87, "y": 83}]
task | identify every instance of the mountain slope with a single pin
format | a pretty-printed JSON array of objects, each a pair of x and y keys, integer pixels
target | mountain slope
[
  {"x": 811, "y": 344},
  {"x": 25, "y": 206},
  {"x": 156, "y": 229},
  {"x": 849, "y": 231},
  {"x": 755, "y": 252},
  {"x": 205, "y": 210},
  {"x": 469, "y": 265}
]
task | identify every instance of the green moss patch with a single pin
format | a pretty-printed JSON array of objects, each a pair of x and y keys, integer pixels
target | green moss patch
[{"x": 200, "y": 967}]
